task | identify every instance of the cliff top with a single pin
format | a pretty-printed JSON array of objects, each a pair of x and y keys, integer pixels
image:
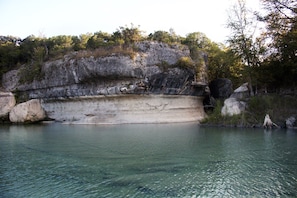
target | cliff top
[{"x": 151, "y": 66}]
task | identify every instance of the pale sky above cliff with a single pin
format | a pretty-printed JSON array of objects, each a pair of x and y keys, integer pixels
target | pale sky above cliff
[{"x": 74, "y": 17}]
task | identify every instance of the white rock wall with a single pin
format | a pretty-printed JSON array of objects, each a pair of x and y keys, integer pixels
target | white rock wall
[{"x": 126, "y": 109}]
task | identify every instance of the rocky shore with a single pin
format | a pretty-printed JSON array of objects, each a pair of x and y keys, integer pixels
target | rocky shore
[
  {"x": 149, "y": 86},
  {"x": 241, "y": 108},
  {"x": 157, "y": 83}
]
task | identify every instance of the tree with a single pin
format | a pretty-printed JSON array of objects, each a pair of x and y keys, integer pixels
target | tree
[
  {"x": 99, "y": 39},
  {"x": 197, "y": 42},
  {"x": 242, "y": 39},
  {"x": 165, "y": 37},
  {"x": 161, "y": 36},
  {"x": 80, "y": 43},
  {"x": 280, "y": 18},
  {"x": 59, "y": 45},
  {"x": 130, "y": 35},
  {"x": 223, "y": 63},
  {"x": 117, "y": 38},
  {"x": 281, "y": 29},
  {"x": 9, "y": 53}
]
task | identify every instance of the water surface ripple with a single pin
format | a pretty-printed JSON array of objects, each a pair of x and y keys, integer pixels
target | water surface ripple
[{"x": 146, "y": 160}]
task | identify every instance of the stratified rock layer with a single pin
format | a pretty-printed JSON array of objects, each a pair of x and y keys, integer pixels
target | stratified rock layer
[
  {"x": 126, "y": 109},
  {"x": 117, "y": 88}
]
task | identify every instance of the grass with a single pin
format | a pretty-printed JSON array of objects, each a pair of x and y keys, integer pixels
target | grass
[
  {"x": 215, "y": 118},
  {"x": 278, "y": 107}
]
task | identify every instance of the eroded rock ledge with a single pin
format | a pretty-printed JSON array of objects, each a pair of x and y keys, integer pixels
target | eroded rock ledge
[
  {"x": 117, "y": 88},
  {"x": 126, "y": 109}
]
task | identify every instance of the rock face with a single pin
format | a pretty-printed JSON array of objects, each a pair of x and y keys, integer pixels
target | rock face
[
  {"x": 7, "y": 102},
  {"x": 126, "y": 109},
  {"x": 151, "y": 70},
  {"x": 27, "y": 112},
  {"x": 221, "y": 88}
]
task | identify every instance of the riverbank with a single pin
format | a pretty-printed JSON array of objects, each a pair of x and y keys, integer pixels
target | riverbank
[
  {"x": 279, "y": 107},
  {"x": 157, "y": 83}
]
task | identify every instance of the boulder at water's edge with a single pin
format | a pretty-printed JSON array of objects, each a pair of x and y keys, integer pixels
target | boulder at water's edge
[{"x": 27, "y": 112}]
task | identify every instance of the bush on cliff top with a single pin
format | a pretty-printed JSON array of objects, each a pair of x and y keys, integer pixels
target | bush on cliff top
[{"x": 106, "y": 51}]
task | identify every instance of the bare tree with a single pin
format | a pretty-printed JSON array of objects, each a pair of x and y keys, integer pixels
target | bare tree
[{"x": 242, "y": 40}]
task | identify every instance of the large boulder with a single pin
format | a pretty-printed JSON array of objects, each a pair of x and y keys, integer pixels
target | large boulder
[
  {"x": 234, "y": 104},
  {"x": 232, "y": 107},
  {"x": 7, "y": 102},
  {"x": 27, "y": 112},
  {"x": 221, "y": 88},
  {"x": 241, "y": 92}
]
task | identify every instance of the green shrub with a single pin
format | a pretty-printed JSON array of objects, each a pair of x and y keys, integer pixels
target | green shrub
[
  {"x": 216, "y": 118},
  {"x": 278, "y": 107},
  {"x": 107, "y": 51},
  {"x": 185, "y": 62},
  {"x": 30, "y": 72}
]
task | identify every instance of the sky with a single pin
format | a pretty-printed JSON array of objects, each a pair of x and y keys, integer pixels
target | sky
[{"x": 48, "y": 18}]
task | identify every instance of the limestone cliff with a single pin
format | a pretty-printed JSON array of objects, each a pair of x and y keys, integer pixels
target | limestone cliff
[{"x": 152, "y": 69}]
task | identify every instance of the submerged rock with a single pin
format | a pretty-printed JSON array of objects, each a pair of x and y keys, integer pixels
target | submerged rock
[{"x": 27, "y": 112}]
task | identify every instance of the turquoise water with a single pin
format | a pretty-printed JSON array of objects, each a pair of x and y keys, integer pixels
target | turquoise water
[{"x": 165, "y": 160}]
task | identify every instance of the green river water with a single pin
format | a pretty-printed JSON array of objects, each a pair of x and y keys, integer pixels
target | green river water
[{"x": 146, "y": 160}]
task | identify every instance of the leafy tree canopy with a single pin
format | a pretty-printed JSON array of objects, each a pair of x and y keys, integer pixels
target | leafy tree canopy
[
  {"x": 266, "y": 59},
  {"x": 34, "y": 50}
]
